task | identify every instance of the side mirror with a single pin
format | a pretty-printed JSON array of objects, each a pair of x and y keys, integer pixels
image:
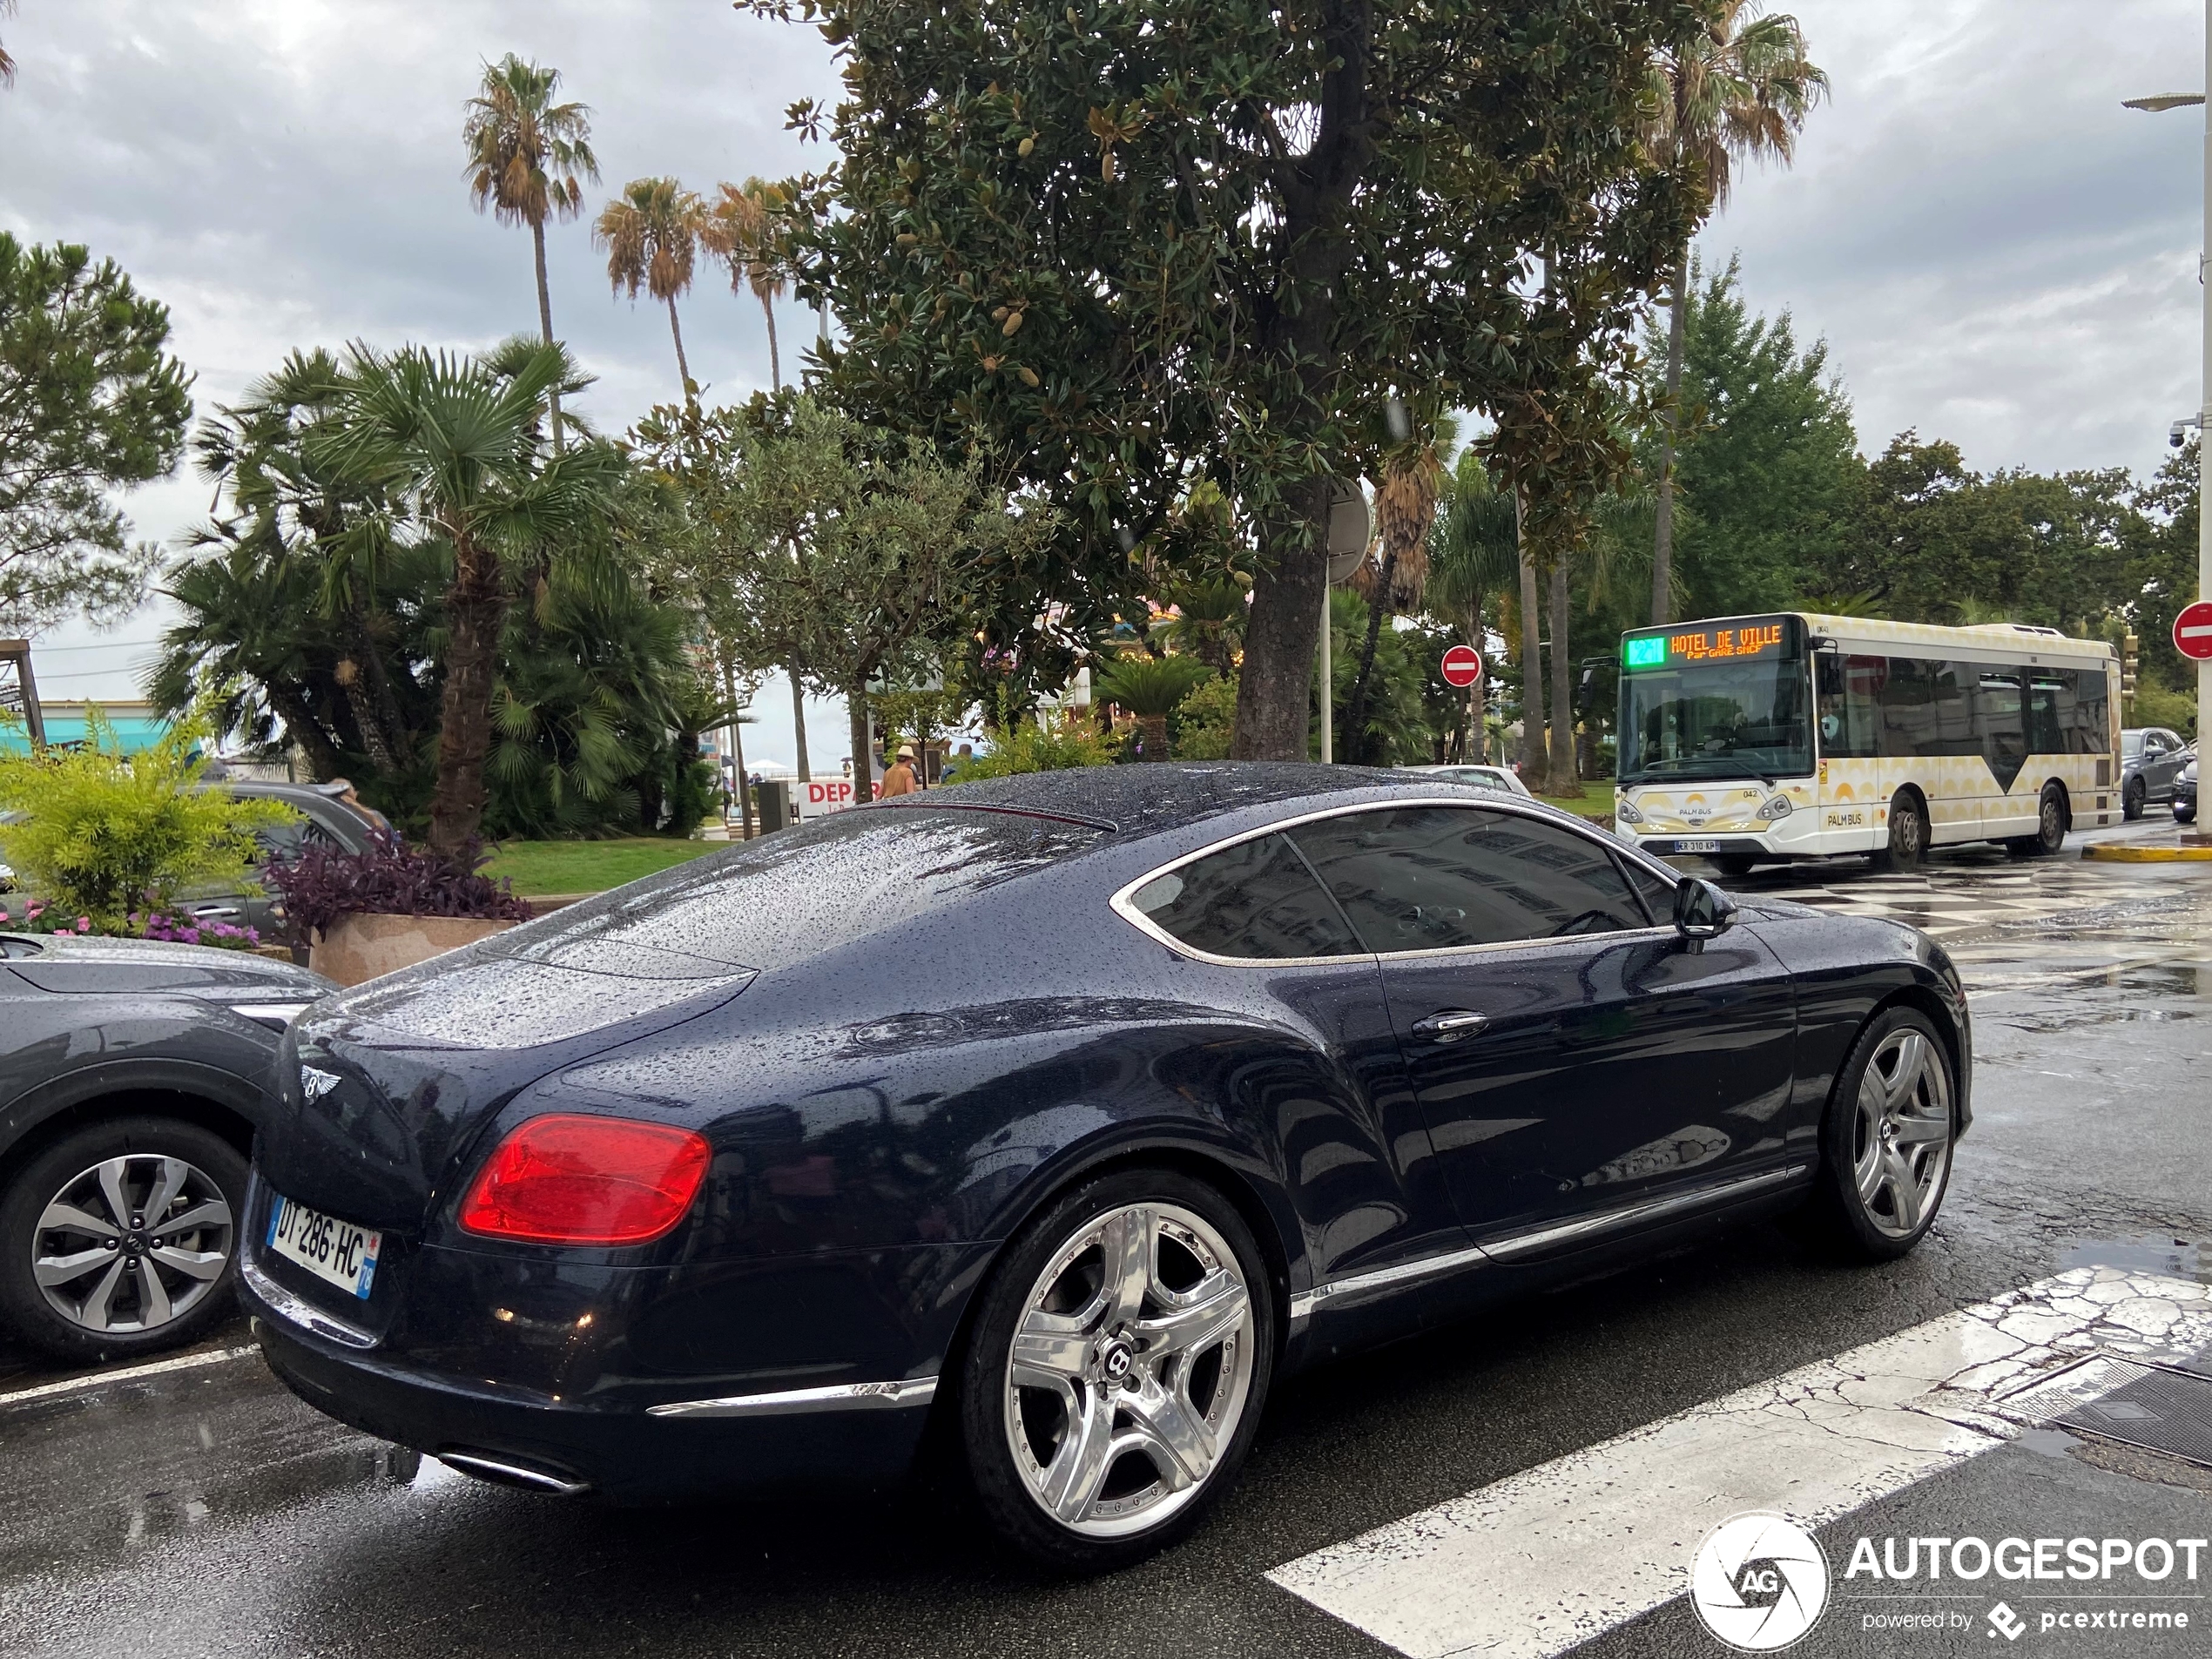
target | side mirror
[{"x": 1701, "y": 911}]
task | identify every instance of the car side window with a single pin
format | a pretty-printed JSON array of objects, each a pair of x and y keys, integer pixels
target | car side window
[
  {"x": 1656, "y": 891},
  {"x": 1437, "y": 878},
  {"x": 1256, "y": 900}
]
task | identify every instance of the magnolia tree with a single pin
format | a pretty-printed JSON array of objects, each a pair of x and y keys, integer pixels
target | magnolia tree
[{"x": 1121, "y": 247}]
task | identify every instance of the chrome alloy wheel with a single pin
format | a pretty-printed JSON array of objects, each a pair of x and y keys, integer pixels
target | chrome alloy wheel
[
  {"x": 1130, "y": 1370},
  {"x": 131, "y": 1244},
  {"x": 1903, "y": 1137}
]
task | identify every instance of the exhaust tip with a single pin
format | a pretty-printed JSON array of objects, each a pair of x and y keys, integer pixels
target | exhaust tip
[{"x": 506, "y": 1472}]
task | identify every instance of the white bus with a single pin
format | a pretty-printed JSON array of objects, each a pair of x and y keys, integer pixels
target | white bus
[{"x": 1760, "y": 740}]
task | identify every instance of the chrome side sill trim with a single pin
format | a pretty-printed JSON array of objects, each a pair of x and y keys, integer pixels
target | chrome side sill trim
[
  {"x": 844, "y": 1397},
  {"x": 1629, "y": 1214},
  {"x": 294, "y": 1311},
  {"x": 1504, "y": 1249}
]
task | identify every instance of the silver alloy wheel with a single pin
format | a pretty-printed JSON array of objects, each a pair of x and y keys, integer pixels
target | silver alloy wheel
[
  {"x": 1903, "y": 1145},
  {"x": 1908, "y": 837},
  {"x": 131, "y": 1244},
  {"x": 1131, "y": 1369}
]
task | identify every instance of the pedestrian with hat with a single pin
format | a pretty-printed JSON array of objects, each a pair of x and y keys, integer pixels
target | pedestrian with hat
[{"x": 899, "y": 776}]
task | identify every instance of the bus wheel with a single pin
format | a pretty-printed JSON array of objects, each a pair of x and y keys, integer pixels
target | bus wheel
[
  {"x": 1908, "y": 835},
  {"x": 2050, "y": 827}
]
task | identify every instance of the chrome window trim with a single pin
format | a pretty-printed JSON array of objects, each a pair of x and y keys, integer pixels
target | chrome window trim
[
  {"x": 1511, "y": 1245},
  {"x": 841, "y": 1397},
  {"x": 298, "y": 1311},
  {"x": 1483, "y": 799}
]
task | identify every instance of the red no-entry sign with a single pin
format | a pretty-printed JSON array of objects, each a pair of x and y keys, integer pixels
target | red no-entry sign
[
  {"x": 1462, "y": 667},
  {"x": 2192, "y": 632}
]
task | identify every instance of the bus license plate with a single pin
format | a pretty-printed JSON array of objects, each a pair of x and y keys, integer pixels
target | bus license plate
[
  {"x": 1697, "y": 846},
  {"x": 330, "y": 1248}
]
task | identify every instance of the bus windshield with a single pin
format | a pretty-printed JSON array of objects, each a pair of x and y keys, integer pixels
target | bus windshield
[{"x": 1742, "y": 719}]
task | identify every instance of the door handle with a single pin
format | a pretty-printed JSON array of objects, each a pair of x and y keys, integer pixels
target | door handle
[{"x": 1449, "y": 1025}]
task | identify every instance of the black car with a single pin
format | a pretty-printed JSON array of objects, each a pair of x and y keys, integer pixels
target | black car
[
  {"x": 2151, "y": 758},
  {"x": 1065, "y": 1114},
  {"x": 323, "y": 816},
  {"x": 2185, "y": 793},
  {"x": 132, "y": 1078}
]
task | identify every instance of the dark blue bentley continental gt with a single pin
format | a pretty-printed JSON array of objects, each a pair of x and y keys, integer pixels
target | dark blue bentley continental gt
[{"x": 1058, "y": 1115}]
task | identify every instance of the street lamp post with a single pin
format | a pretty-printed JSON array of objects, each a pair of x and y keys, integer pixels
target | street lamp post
[{"x": 2175, "y": 101}]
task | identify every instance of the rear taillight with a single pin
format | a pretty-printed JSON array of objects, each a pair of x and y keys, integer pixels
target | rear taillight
[{"x": 576, "y": 1180}]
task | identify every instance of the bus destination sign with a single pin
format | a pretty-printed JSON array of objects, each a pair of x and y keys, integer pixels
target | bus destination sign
[{"x": 1732, "y": 643}]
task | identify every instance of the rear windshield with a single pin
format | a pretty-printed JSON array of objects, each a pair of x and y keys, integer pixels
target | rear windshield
[{"x": 787, "y": 896}]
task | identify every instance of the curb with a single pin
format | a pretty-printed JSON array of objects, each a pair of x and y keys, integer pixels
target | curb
[{"x": 2110, "y": 854}]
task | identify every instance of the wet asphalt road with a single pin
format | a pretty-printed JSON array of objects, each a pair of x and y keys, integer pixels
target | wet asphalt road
[{"x": 204, "y": 1511}]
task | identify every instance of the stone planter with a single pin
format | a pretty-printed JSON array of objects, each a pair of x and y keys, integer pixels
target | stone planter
[{"x": 357, "y": 948}]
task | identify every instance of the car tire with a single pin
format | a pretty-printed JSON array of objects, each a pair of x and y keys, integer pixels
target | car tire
[
  {"x": 1908, "y": 847},
  {"x": 113, "y": 1312},
  {"x": 1886, "y": 1141},
  {"x": 2132, "y": 796},
  {"x": 2049, "y": 839},
  {"x": 2189, "y": 816},
  {"x": 1735, "y": 865},
  {"x": 1177, "y": 1386}
]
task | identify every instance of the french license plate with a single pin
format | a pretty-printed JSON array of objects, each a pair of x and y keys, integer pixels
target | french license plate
[
  {"x": 1697, "y": 846},
  {"x": 328, "y": 1248}
]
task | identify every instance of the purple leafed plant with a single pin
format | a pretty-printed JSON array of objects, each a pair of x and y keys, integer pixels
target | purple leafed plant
[{"x": 389, "y": 878}]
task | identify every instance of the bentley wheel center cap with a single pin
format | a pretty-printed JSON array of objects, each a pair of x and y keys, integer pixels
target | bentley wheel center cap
[{"x": 1116, "y": 1358}]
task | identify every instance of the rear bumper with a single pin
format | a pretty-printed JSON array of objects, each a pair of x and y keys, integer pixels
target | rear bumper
[{"x": 628, "y": 1454}]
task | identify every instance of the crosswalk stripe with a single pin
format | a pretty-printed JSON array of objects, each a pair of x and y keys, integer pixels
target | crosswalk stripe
[{"x": 1540, "y": 1561}]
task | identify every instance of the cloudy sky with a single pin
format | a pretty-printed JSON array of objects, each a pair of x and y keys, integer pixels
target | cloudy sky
[{"x": 1996, "y": 252}]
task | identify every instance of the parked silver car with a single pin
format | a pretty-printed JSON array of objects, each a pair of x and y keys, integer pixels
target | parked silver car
[{"x": 2151, "y": 758}]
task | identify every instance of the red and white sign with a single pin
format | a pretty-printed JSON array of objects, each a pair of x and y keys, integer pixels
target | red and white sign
[
  {"x": 819, "y": 796},
  {"x": 1462, "y": 667},
  {"x": 2193, "y": 632}
]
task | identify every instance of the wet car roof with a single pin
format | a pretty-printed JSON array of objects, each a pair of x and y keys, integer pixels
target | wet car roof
[{"x": 1146, "y": 800}]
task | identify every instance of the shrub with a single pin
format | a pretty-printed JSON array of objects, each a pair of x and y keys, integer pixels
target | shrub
[
  {"x": 106, "y": 832},
  {"x": 389, "y": 878},
  {"x": 1057, "y": 743},
  {"x": 1205, "y": 721},
  {"x": 167, "y": 926}
]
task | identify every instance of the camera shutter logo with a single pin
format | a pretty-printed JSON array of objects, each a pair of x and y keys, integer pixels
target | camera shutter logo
[{"x": 1759, "y": 1582}]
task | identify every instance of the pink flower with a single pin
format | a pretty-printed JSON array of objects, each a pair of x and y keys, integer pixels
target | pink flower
[{"x": 85, "y": 924}]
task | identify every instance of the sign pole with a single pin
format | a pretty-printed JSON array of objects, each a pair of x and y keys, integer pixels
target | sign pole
[
  {"x": 1328, "y": 676},
  {"x": 2204, "y": 420}
]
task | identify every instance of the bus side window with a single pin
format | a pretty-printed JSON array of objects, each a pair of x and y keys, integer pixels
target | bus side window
[
  {"x": 2050, "y": 712},
  {"x": 2092, "y": 733},
  {"x": 1908, "y": 710}
]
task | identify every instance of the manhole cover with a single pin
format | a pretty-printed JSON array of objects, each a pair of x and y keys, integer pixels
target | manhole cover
[{"x": 2135, "y": 1402}]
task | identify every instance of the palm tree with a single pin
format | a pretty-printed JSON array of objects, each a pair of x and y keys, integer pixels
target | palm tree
[
  {"x": 1471, "y": 556},
  {"x": 7, "y": 64},
  {"x": 652, "y": 235},
  {"x": 1741, "y": 90},
  {"x": 453, "y": 444},
  {"x": 1149, "y": 688},
  {"x": 1406, "y": 497},
  {"x": 528, "y": 159},
  {"x": 740, "y": 230}
]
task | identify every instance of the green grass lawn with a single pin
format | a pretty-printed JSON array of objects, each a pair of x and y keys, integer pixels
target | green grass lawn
[
  {"x": 1597, "y": 799},
  {"x": 540, "y": 867}
]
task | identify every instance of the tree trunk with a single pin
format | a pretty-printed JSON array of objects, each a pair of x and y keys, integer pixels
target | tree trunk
[
  {"x": 736, "y": 749},
  {"x": 1662, "y": 546},
  {"x": 1355, "y": 714},
  {"x": 1154, "y": 728},
  {"x": 1565, "y": 780},
  {"x": 475, "y": 609},
  {"x": 798, "y": 722},
  {"x": 545, "y": 321},
  {"x": 1478, "y": 693},
  {"x": 1532, "y": 769},
  {"x": 775, "y": 360},
  {"x": 355, "y": 686},
  {"x": 856, "y": 719},
  {"x": 1275, "y": 691},
  {"x": 291, "y": 706},
  {"x": 682, "y": 368}
]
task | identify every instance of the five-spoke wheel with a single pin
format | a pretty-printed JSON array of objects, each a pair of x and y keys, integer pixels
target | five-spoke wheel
[
  {"x": 1117, "y": 1368},
  {"x": 120, "y": 1238},
  {"x": 1887, "y": 1141}
]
